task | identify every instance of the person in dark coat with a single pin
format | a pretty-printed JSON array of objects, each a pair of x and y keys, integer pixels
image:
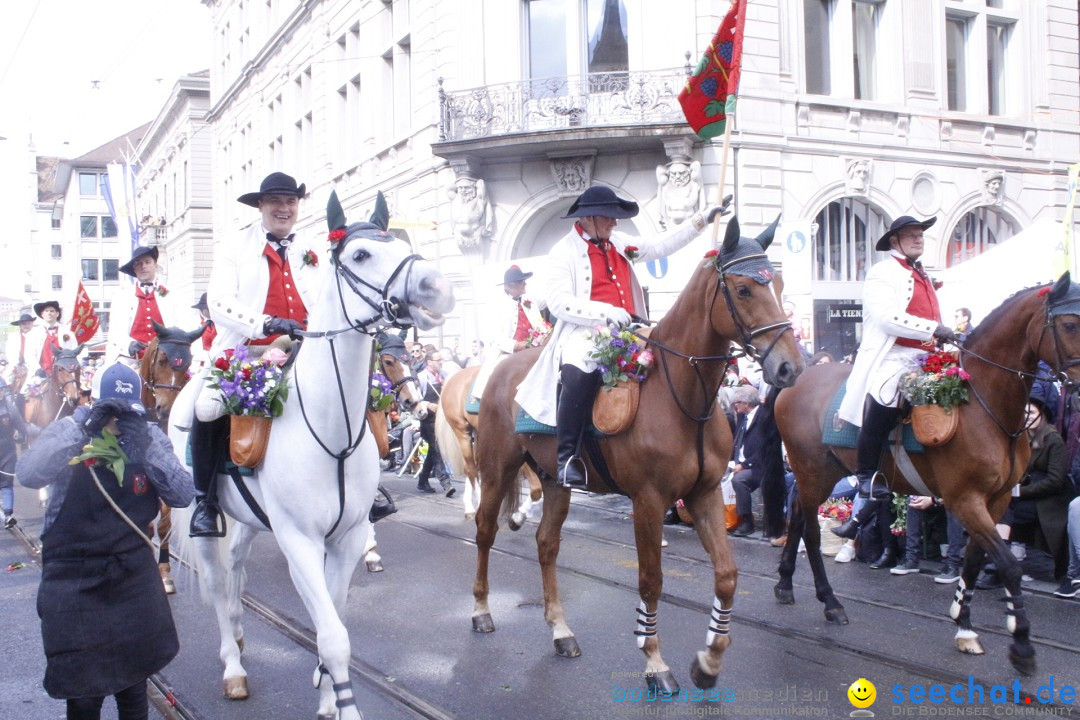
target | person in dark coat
[
  {"x": 431, "y": 388},
  {"x": 105, "y": 621}
]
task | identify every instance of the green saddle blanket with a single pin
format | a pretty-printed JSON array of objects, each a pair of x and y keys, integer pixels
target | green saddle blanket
[
  {"x": 841, "y": 433},
  {"x": 226, "y": 466},
  {"x": 472, "y": 405},
  {"x": 527, "y": 424}
]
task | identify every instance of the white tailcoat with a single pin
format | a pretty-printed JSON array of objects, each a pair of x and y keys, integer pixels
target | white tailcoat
[
  {"x": 887, "y": 290},
  {"x": 122, "y": 316},
  {"x": 569, "y": 275}
]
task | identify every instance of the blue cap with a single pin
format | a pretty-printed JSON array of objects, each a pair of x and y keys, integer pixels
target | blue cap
[{"x": 119, "y": 382}]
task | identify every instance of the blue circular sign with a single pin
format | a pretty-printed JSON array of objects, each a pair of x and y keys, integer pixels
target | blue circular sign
[
  {"x": 657, "y": 268},
  {"x": 796, "y": 242}
]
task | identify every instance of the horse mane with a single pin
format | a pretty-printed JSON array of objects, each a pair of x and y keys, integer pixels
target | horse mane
[{"x": 1003, "y": 310}]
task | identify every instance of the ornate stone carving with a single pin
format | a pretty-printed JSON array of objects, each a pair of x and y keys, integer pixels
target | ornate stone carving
[
  {"x": 473, "y": 216},
  {"x": 679, "y": 190},
  {"x": 858, "y": 176},
  {"x": 572, "y": 175},
  {"x": 993, "y": 187}
]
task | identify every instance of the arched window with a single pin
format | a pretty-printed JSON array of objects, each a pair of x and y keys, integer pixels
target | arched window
[
  {"x": 978, "y": 231},
  {"x": 846, "y": 230}
]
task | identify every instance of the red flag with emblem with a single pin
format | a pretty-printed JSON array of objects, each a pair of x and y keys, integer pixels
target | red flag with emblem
[
  {"x": 709, "y": 96},
  {"x": 84, "y": 321}
]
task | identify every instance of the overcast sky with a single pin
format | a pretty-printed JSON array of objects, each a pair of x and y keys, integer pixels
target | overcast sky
[{"x": 52, "y": 52}]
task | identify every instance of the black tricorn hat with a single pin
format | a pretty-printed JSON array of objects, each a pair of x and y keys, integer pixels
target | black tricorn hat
[
  {"x": 202, "y": 304},
  {"x": 128, "y": 268},
  {"x": 39, "y": 307},
  {"x": 277, "y": 183},
  {"x": 898, "y": 224},
  {"x": 514, "y": 274},
  {"x": 603, "y": 202},
  {"x": 25, "y": 317}
]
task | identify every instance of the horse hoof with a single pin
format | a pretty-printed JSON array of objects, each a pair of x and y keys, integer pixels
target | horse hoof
[
  {"x": 699, "y": 677},
  {"x": 470, "y": 515},
  {"x": 517, "y": 521},
  {"x": 483, "y": 623},
  {"x": 836, "y": 615},
  {"x": 1023, "y": 659},
  {"x": 784, "y": 596},
  {"x": 663, "y": 683},
  {"x": 969, "y": 645},
  {"x": 236, "y": 688},
  {"x": 375, "y": 566},
  {"x": 567, "y": 647}
]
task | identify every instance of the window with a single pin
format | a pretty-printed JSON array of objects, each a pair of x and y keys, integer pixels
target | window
[
  {"x": 844, "y": 240},
  {"x": 864, "y": 21},
  {"x": 108, "y": 227},
  {"x": 547, "y": 38},
  {"x": 816, "y": 20},
  {"x": 608, "y": 46},
  {"x": 57, "y": 282},
  {"x": 102, "y": 311},
  {"x": 90, "y": 269},
  {"x": 558, "y": 44},
  {"x": 88, "y": 183},
  {"x": 968, "y": 57},
  {"x": 57, "y": 252},
  {"x": 977, "y": 232},
  {"x": 955, "y": 63},
  {"x": 110, "y": 270},
  {"x": 88, "y": 226},
  {"x": 55, "y": 224},
  {"x": 997, "y": 40}
]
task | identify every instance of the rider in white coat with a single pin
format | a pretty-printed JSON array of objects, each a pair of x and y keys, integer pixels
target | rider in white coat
[
  {"x": 590, "y": 282},
  {"x": 137, "y": 306}
]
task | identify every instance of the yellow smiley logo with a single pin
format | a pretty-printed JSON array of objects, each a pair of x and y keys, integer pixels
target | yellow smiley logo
[{"x": 862, "y": 693}]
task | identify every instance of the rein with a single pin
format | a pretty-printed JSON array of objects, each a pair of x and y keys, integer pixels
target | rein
[{"x": 152, "y": 386}]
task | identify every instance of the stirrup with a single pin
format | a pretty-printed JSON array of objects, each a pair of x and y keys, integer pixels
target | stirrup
[
  {"x": 570, "y": 476},
  {"x": 879, "y": 487},
  {"x": 207, "y": 520}
]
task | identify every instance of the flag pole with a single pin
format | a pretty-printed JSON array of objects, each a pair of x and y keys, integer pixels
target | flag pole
[{"x": 723, "y": 176}]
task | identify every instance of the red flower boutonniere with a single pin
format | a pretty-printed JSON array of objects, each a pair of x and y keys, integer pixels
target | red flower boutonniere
[
  {"x": 631, "y": 252},
  {"x": 527, "y": 304},
  {"x": 938, "y": 284},
  {"x": 336, "y": 236},
  {"x": 161, "y": 291},
  {"x": 710, "y": 257},
  {"x": 310, "y": 258}
]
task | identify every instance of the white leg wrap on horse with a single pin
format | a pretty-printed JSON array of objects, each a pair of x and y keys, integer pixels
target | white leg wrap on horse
[
  {"x": 646, "y": 625},
  {"x": 719, "y": 621},
  {"x": 961, "y": 597},
  {"x": 1014, "y": 604}
]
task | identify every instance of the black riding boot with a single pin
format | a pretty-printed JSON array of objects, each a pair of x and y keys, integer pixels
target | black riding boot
[
  {"x": 575, "y": 408},
  {"x": 878, "y": 422},
  {"x": 209, "y": 442},
  {"x": 851, "y": 527},
  {"x": 888, "y": 557}
]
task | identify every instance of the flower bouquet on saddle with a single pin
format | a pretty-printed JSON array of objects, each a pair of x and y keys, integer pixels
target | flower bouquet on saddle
[
  {"x": 252, "y": 392},
  {"x": 624, "y": 362},
  {"x": 935, "y": 387}
]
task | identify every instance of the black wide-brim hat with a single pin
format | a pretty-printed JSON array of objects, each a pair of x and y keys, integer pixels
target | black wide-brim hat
[
  {"x": 274, "y": 184},
  {"x": 603, "y": 202},
  {"x": 128, "y": 268},
  {"x": 25, "y": 317},
  {"x": 39, "y": 307},
  {"x": 898, "y": 224},
  {"x": 514, "y": 274},
  {"x": 202, "y": 304}
]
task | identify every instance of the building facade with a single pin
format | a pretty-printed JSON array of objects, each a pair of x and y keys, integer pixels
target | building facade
[{"x": 482, "y": 119}]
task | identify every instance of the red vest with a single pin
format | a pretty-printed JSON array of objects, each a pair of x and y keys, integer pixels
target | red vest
[
  {"x": 923, "y": 303},
  {"x": 282, "y": 298},
  {"x": 611, "y": 276},
  {"x": 146, "y": 314},
  {"x": 52, "y": 340},
  {"x": 208, "y": 336},
  {"x": 524, "y": 327}
]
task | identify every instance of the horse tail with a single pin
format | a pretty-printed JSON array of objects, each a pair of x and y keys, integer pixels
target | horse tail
[
  {"x": 511, "y": 501},
  {"x": 773, "y": 487},
  {"x": 448, "y": 444}
]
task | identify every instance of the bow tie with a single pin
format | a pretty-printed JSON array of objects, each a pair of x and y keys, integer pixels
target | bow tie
[
  {"x": 282, "y": 242},
  {"x": 147, "y": 286}
]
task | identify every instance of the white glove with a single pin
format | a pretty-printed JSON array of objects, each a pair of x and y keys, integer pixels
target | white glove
[{"x": 618, "y": 316}]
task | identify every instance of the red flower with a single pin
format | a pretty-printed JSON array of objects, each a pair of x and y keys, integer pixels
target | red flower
[
  {"x": 631, "y": 252},
  {"x": 336, "y": 236},
  {"x": 246, "y": 373},
  {"x": 712, "y": 253},
  {"x": 310, "y": 258},
  {"x": 221, "y": 363},
  {"x": 161, "y": 291}
]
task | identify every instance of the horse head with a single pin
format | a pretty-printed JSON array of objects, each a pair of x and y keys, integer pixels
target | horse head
[
  {"x": 751, "y": 308},
  {"x": 1063, "y": 322},
  {"x": 390, "y": 285},
  {"x": 165, "y": 366},
  {"x": 65, "y": 373},
  {"x": 393, "y": 362}
]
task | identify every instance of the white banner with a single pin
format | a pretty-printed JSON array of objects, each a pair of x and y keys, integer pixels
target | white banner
[{"x": 797, "y": 258}]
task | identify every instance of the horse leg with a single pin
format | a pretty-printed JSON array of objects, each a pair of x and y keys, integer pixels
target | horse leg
[
  {"x": 710, "y": 523},
  {"x": 372, "y": 559},
  {"x": 967, "y": 640},
  {"x": 223, "y": 586},
  {"x": 164, "y": 527},
  {"x": 784, "y": 590},
  {"x": 498, "y": 481},
  {"x": 548, "y": 539},
  {"x": 834, "y": 611},
  {"x": 648, "y": 524},
  {"x": 519, "y": 516},
  {"x": 311, "y": 568}
]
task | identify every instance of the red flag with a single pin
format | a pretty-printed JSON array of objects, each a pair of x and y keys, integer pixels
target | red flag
[
  {"x": 709, "y": 96},
  {"x": 84, "y": 321}
]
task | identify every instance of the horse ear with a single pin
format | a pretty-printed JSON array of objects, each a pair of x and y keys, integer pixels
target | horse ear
[
  {"x": 766, "y": 237},
  {"x": 335, "y": 216},
  {"x": 1061, "y": 287},
  {"x": 731, "y": 237},
  {"x": 380, "y": 217},
  {"x": 159, "y": 329},
  {"x": 198, "y": 333},
  {"x": 56, "y": 351}
]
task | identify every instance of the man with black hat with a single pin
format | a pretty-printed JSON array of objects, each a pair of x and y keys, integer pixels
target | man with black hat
[
  {"x": 135, "y": 308},
  {"x": 201, "y": 356},
  {"x": 901, "y": 321},
  {"x": 260, "y": 289},
  {"x": 19, "y": 364},
  {"x": 591, "y": 283},
  {"x": 45, "y": 336}
]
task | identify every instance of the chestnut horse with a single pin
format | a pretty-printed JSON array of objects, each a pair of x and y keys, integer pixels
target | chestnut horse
[
  {"x": 677, "y": 447},
  {"x": 973, "y": 473},
  {"x": 58, "y": 396},
  {"x": 455, "y": 429},
  {"x": 164, "y": 371}
]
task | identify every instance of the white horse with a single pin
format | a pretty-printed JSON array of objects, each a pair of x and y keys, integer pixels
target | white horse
[{"x": 321, "y": 470}]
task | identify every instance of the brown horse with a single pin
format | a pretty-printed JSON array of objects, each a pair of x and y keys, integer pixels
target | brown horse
[
  {"x": 58, "y": 396},
  {"x": 973, "y": 473},
  {"x": 678, "y": 430},
  {"x": 455, "y": 429},
  {"x": 164, "y": 371}
]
